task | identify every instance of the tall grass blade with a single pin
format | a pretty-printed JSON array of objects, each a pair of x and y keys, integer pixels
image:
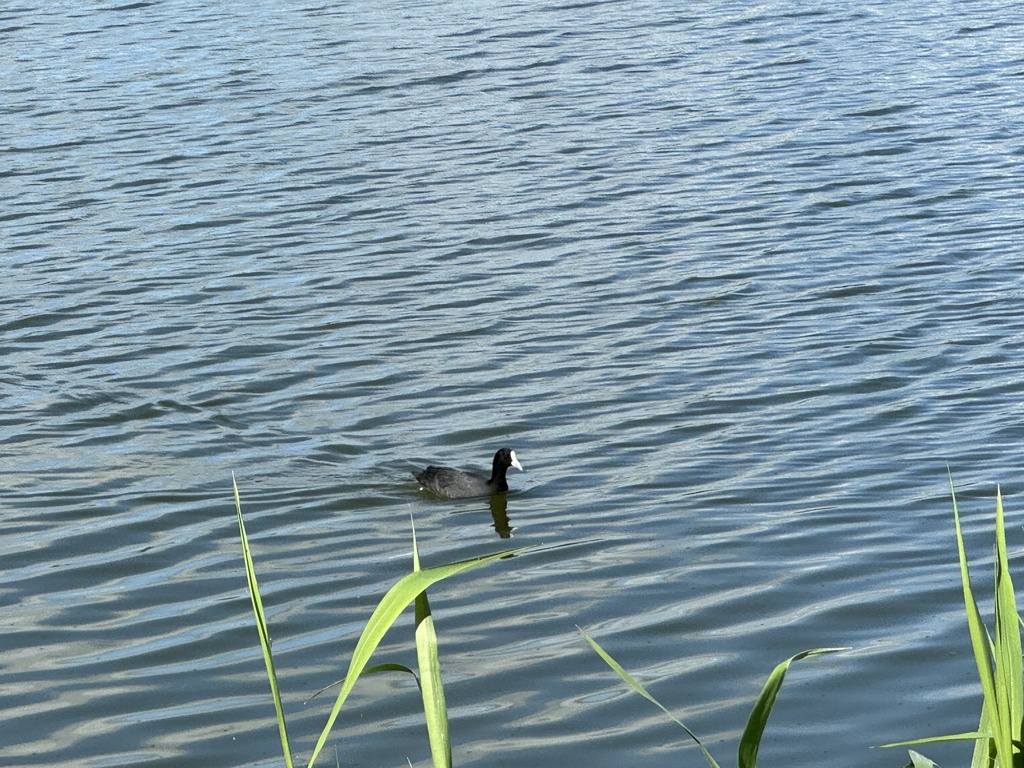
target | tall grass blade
[
  {"x": 643, "y": 692},
  {"x": 938, "y": 739},
  {"x": 434, "y": 708},
  {"x": 998, "y": 658},
  {"x": 984, "y": 755},
  {"x": 1009, "y": 664},
  {"x": 918, "y": 760},
  {"x": 998, "y": 721},
  {"x": 374, "y": 670},
  {"x": 387, "y": 611},
  {"x": 750, "y": 742},
  {"x": 261, "y": 626}
]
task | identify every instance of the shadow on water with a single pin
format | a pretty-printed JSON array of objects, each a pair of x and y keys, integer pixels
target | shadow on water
[
  {"x": 499, "y": 511},
  {"x": 497, "y": 503}
]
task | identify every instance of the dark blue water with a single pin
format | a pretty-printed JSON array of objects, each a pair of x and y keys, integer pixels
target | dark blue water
[{"x": 736, "y": 282}]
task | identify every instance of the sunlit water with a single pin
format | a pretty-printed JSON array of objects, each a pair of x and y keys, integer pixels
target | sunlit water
[{"x": 737, "y": 283}]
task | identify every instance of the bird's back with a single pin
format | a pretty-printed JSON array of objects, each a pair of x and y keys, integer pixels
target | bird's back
[{"x": 453, "y": 483}]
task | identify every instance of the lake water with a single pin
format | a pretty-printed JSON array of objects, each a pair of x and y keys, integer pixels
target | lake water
[{"x": 737, "y": 282}]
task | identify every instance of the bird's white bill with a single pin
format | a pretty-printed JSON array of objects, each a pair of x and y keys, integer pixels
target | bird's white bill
[{"x": 515, "y": 461}]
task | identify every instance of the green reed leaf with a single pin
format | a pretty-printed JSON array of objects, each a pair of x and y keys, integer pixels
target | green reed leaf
[
  {"x": 984, "y": 755},
  {"x": 750, "y": 742},
  {"x": 434, "y": 708},
  {"x": 919, "y": 761},
  {"x": 374, "y": 670},
  {"x": 262, "y": 628},
  {"x": 972, "y": 735},
  {"x": 982, "y": 649},
  {"x": 998, "y": 660},
  {"x": 1009, "y": 665},
  {"x": 636, "y": 686},
  {"x": 387, "y": 611}
]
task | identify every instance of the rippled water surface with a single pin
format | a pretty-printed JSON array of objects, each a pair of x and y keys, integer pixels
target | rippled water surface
[{"x": 736, "y": 282}]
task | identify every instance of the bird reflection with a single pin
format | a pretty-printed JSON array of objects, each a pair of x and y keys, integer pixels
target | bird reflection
[{"x": 499, "y": 511}]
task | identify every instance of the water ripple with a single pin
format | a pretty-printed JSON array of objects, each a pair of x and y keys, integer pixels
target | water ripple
[{"x": 737, "y": 286}]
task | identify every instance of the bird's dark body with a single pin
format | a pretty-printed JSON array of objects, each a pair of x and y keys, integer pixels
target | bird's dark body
[{"x": 456, "y": 484}]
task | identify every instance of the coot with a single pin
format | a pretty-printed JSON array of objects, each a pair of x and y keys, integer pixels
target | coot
[{"x": 455, "y": 484}]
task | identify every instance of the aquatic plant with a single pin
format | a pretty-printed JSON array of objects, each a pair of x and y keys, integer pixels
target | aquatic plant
[
  {"x": 998, "y": 740},
  {"x": 410, "y": 589},
  {"x": 750, "y": 741}
]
